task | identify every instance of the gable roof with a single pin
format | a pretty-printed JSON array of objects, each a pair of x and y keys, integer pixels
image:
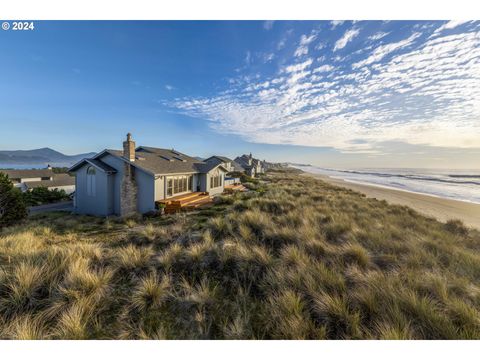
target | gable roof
[
  {"x": 96, "y": 163},
  {"x": 30, "y": 173},
  {"x": 243, "y": 161},
  {"x": 237, "y": 166},
  {"x": 221, "y": 158},
  {"x": 207, "y": 167}
]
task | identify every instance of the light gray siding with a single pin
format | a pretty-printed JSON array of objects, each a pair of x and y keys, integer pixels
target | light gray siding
[
  {"x": 216, "y": 190},
  {"x": 116, "y": 181},
  {"x": 145, "y": 191},
  {"x": 145, "y": 186},
  {"x": 202, "y": 182},
  {"x": 160, "y": 188},
  {"x": 97, "y": 204}
]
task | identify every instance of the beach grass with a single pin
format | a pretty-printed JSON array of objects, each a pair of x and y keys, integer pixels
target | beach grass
[{"x": 294, "y": 258}]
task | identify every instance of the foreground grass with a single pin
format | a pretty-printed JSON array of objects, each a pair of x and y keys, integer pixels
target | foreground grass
[{"x": 295, "y": 258}]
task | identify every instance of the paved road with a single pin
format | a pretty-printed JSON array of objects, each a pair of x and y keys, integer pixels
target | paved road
[{"x": 60, "y": 206}]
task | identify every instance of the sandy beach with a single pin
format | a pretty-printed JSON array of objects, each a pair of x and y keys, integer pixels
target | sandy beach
[{"x": 441, "y": 209}]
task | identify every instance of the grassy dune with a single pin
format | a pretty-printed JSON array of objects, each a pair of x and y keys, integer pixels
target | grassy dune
[{"x": 295, "y": 258}]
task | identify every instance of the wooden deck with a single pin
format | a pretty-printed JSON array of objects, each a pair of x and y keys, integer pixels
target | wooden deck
[
  {"x": 186, "y": 202},
  {"x": 235, "y": 187}
]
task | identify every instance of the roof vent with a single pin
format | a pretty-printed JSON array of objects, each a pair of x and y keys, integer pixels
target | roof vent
[
  {"x": 179, "y": 158},
  {"x": 166, "y": 158},
  {"x": 139, "y": 157}
]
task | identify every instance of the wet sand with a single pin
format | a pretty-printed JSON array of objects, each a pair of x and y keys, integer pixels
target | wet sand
[{"x": 441, "y": 209}]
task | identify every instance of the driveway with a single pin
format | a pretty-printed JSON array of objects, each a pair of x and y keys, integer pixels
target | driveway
[{"x": 60, "y": 206}]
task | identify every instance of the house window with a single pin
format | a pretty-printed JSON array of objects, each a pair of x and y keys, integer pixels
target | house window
[
  {"x": 179, "y": 184},
  {"x": 91, "y": 181},
  {"x": 215, "y": 180}
]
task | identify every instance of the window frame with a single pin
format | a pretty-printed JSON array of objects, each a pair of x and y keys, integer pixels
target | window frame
[
  {"x": 178, "y": 184},
  {"x": 91, "y": 181},
  {"x": 216, "y": 179}
]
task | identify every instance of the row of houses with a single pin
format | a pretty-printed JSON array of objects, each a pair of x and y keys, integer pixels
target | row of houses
[
  {"x": 132, "y": 180},
  {"x": 30, "y": 179}
]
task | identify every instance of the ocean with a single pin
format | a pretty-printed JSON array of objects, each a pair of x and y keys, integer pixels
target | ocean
[{"x": 462, "y": 185}]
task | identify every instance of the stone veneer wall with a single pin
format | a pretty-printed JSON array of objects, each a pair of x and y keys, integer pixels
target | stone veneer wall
[{"x": 128, "y": 192}]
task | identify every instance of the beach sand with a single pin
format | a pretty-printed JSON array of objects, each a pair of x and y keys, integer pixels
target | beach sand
[{"x": 441, "y": 209}]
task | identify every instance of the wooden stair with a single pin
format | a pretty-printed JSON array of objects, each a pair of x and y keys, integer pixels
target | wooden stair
[
  {"x": 186, "y": 202},
  {"x": 235, "y": 187}
]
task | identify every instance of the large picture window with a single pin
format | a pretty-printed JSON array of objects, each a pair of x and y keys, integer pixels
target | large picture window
[
  {"x": 179, "y": 184},
  {"x": 215, "y": 179}
]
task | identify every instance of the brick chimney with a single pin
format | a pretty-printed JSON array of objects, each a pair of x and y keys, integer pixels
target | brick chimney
[{"x": 129, "y": 148}]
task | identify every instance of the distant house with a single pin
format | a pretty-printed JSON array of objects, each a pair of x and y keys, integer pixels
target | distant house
[
  {"x": 126, "y": 182},
  {"x": 251, "y": 166},
  {"x": 30, "y": 179},
  {"x": 227, "y": 163}
]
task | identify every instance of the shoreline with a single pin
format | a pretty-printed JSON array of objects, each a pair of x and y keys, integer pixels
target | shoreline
[{"x": 433, "y": 206}]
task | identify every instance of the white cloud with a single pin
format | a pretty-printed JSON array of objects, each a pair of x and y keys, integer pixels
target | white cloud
[
  {"x": 336, "y": 23},
  {"x": 425, "y": 93},
  {"x": 298, "y": 66},
  {"x": 323, "y": 68},
  {"x": 281, "y": 44},
  {"x": 346, "y": 38},
  {"x": 169, "y": 87},
  {"x": 304, "y": 42},
  {"x": 449, "y": 25},
  {"x": 268, "y": 57},
  {"x": 378, "y": 36},
  {"x": 248, "y": 58},
  {"x": 268, "y": 24},
  {"x": 380, "y": 52}
]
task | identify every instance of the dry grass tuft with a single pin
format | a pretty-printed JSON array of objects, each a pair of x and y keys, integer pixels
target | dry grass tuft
[
  {"x": 294, "y": 258},
  {"x": 151, "y": 292}
]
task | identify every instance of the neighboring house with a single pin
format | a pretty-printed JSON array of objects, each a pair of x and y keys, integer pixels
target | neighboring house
[
  {"x": 126, "y": 182},
  {"x": 29, "y": 179},
  {"x": 251, "y": 166},
  {"x": 229, "y": 164}
]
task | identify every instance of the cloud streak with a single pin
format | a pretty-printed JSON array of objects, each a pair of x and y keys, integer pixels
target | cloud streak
[
  {"x": 346, "y": 38},
  {"x": 417, "y": 90}
]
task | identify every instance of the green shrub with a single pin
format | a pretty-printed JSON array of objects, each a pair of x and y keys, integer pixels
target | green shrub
[
  {"x": 456, "y": 227},
  {"x": 12, "y": 206},
  {"x": 42, "y": 195}
]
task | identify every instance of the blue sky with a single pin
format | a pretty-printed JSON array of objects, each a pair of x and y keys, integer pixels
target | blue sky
[{"x": 338, "y": 94}]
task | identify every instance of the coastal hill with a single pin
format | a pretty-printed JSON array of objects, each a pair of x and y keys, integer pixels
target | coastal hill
[{"x": 38, "y": 157}]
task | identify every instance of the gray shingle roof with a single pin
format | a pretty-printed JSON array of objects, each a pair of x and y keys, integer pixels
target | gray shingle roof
[
  {"x": 100, "y": 164},
  {"x": 243, "y": 161},
  {"x": 58, "y": 180},
  {"x": 237, "y": 166},
  {"x": 222, "y": 158},
  {"x": 155, "y": 161},
  {"x": 31, "y": 173},
  {"x": 165, "y": 161}
]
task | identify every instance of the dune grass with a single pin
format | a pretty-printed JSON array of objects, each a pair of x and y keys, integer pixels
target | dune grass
[{"x": 294, "y": 258}]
